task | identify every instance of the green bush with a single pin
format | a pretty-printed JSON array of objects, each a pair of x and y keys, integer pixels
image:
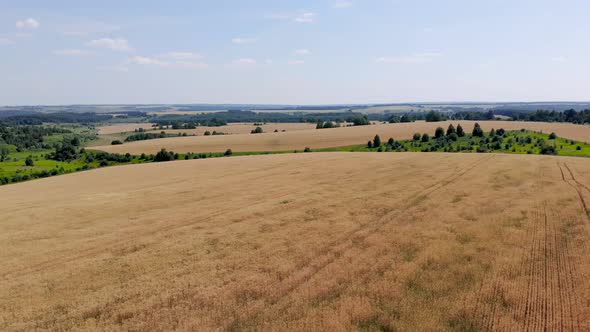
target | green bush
[
  {"x": 164, "y": 155},
  {"x": 376, "y": 141},
  {"x": 477, "y": 131},
  {"x": 460, "y": 131},
  {"x": 258, "y": 130},
  {"x": 451, "y": 130},
  {"x": 439, "y": 132}
]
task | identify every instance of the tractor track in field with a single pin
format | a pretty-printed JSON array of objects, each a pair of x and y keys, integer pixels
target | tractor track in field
[
  {"x": 569, "y": 178},
  {"x": 333, "y": 251},
  {"x": 540, "y": 293}
]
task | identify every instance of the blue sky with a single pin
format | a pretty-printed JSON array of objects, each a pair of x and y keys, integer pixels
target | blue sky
[{"x": 293, "y": 52}]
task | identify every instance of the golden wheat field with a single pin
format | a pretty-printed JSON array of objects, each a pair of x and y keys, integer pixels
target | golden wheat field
[
  {"x": 316, "y": 241},
  {"x": 232, "y": 128},
  {"x": 327, "y": 138}
]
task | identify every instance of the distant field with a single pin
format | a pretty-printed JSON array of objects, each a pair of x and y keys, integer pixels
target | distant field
[
  {"x": 122, "y": 128},
  {"x": 232, "y": 128},
  {"x": 316, "y": 241},
  {"x": 326, "y": 138}
]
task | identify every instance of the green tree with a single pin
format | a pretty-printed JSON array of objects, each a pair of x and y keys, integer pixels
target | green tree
[
  {"x": 257, "y": 130},
  {"x": 376, "y": 141},
  {"x": 228, "y": 152},
  {"x": 460, "y": 131},
  {"x": 319, "y": 125},
  {"x": 477, "y": 131},
  {"x": 425, "y": 137},
  {"x": 416, "y": 137},
  {"x": 3, "y": 153},
  {"x": 164, "y": 155},
  {"x": 492, "y": 132},
  {"x": 439, "y": 132},
  {"x": 370, "y": 144},
  {"x": 76, "y": 141},
  {"x": 433, "y": 116},
  {"x": 451, "y": 130},
  {"x": 29, "y": 162},
  {"x": 552, "y": 136}
]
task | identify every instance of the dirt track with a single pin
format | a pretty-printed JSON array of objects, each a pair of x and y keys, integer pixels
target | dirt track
[
  {"x": 325, "y": 241},
  {"x": 326, "y": 138}
]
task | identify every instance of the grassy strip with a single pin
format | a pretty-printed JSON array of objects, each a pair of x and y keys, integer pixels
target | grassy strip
[{"x": 14, "y": 168}]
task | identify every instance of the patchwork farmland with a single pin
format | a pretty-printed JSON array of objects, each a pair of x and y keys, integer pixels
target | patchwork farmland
[{"x": 328, "y": 138}]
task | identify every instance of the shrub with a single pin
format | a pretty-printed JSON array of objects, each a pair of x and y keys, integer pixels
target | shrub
[
  {"x": 439, "y": 132},
  {"x": 116, "y": 142},
  {"x": 548, "y": 149},
  {"x": 451, "y": 130},
  {"x": 460, "y": 131},
  {"x": 29, "y": 162},
  {"x": 258, "y": 130},
  {"x": 376, "y": 141},
  {"x": 552, "y": 136},
  {"x": 578, "y": 148},
  {"x": 228, "y": 152},
  {"x": 453, "y": 137},
  {"x": 416, "y": 137},
  {"x": 370, "y": 144},
  {"x": 425, "y": 138},
  {"x": 207, "y": 133},
  {"x": 477, "y": 131},
  {"x": 307, "y": 149},
  {"x": 164, "y": 155}
]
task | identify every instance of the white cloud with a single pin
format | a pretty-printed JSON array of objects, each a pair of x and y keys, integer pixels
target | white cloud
[
  {"x": 117, "y": 44},
  {"x": 239, "y": 40},
  {"x": 6, "y": 41},
  {"x": 181, "y": 55},
  {"x": 416, "y": 58},
  {"x": 142, "y": 60},
  {"x": 29, "y": 23},
  {"x": 192, "y": 65},
  {"x": 305, "y": 17},
  {"x": 342, "y": 4},
  {"x": 302, "y": 51},
  {"x": 71, "y": 52},
  {"x": 186, "y": 60},
  {"x": 244, "y": 62},
  {"x": 295, "y": 62}
]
